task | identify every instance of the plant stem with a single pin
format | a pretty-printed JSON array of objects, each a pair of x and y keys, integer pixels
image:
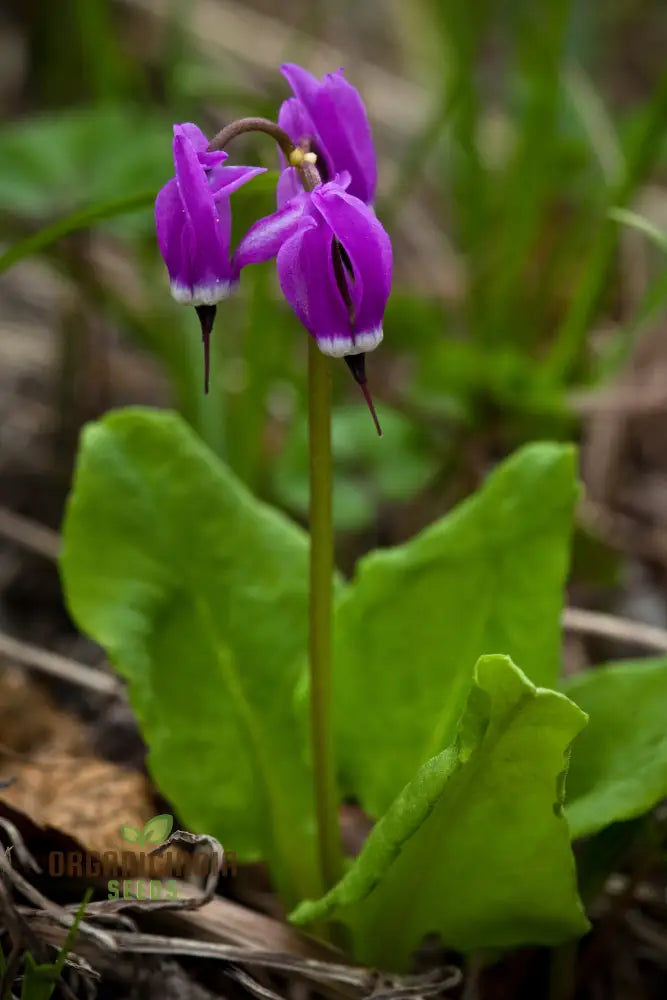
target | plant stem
[
  {"x": 321, "y": 600},
  {"x": 321, "y": 544}
]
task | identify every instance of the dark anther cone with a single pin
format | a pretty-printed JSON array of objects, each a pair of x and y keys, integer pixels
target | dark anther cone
[
  {"x": 206, "y": 318},
  {"x": 357, "y": 365}
]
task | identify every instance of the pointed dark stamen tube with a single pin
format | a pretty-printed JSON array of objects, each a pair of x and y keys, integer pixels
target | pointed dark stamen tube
[
  {"x": 206, "y": 318},
  {"x": 357, "y": 365}
]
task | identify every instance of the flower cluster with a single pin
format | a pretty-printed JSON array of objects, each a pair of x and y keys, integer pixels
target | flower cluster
[{"x": 334, "y": 258}]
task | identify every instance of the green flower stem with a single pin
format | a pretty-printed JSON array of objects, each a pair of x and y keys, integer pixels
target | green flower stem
[{"x": 321, "y": 599}]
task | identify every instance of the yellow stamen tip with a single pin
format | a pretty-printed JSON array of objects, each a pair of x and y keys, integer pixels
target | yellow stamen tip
[
  {"x": 297, "y": 157},
  {"x": 310, "y": 157}
]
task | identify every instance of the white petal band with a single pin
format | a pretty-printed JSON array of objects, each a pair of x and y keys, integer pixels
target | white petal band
[{"x": 360, "y": 343}]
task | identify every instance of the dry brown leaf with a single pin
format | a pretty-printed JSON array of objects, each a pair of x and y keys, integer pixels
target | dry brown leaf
[
  {"x": 87, "y": 798},
  {"x": 58, "y": 781},
  {"x": 30, "y": 722}
]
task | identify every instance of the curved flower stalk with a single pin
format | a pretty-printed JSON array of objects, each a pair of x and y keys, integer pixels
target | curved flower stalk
[
  {"x": 193, "y": 221},
  {"x": 328, "y": 117}
]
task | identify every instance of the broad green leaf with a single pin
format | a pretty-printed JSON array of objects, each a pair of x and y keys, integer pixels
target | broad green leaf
[
  {"x": 157, "y": 829},
  {"x": 489, "y": 576},
  {"x": 475, "y": 847},
  {"x": 130, "y": 834},
  {"x": 94, "y": 154},
  {"x": 198, "y": 593},
  {"x": 619, "y": 765}
]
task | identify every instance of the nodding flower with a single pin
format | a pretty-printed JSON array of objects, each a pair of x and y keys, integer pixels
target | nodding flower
[
  {"x": 328, "y": 116},
  {"x": 193, "y": 221},
  {"x": 334, "y": 265}
]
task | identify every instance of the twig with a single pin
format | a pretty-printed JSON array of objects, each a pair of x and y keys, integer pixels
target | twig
[
  {"x": 29, "y": 534},
  {"x": 18, "y": 845},
  {"x": 57, "y": 913},
  {"x": 58, "y": 666},
  {"x": 257, "y": 989},
  {"x": 321, "y": 972},
  {"x": 623, "y": 533},
  {"x": 652, "y": 934},
  {"x": 193, "y": 901},
  {"x": 611, "y": 627}
]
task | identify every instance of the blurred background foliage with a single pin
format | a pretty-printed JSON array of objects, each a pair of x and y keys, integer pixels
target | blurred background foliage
[{"x": 507, "y": 134}]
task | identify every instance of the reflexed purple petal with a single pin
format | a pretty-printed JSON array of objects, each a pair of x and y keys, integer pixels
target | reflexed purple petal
[
  {"x": 341, "y": 130},
  {"x": 170, "y": 221},
  {"x": 264, "y": 239},
  {"x": 289, "y": 186},
  {"x": 304, "y": 85},
  {"x": 340, "y": 117},
  {"x": 223, "y": 180},
  {"x": 193, "y": 134},
  {"x": 210, "y": 259},
  {"x": 294, "y": 119},
  {"x": 210, "y": 160},
  {"x": 343, "y": 180},
  {"x": 308, "y": 282},
  {"x": 369, "y": 250}
]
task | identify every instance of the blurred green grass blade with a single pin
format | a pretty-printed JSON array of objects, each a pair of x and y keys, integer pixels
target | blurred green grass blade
[
  {"x": 541, "y": 36},
  {"x": 461, "y": 26},
  {"x": 644, "y": 150},
  {"x": 595, "y": 121},
  {"x": 641, "y": 224},
  {"x": 108, "y": 68},
  {"x": 82, "y": 219},
  {"x": 653, "y": 302},
  {"x": 417, "y": 153},
  {"x": 39, "y": 980}
]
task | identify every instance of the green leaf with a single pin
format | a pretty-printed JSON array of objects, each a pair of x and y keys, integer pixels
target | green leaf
[
  {"x": 130, "y": 834},
  {"x": 95, "y": 154},
  {"x": 475, "y": 847},
  {"x": 198, "y": 593},
  {"x": 619, "y": 765},
  {"x": 489, "y": 576},
  {"x": 157, "y": 829}
]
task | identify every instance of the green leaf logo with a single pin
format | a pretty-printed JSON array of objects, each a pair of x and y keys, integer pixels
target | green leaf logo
[
  {"x": 157, "y": 830},
  {"x": 130, "y": 834}
]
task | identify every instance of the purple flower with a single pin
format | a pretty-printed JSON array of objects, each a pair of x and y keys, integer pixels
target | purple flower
[
  {"x": 331, "y": 115},
  {"x": 334, "y": 264},
  {"x": 193, "y": 219}
]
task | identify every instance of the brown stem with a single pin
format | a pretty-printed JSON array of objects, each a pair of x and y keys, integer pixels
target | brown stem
[
  {"x": 241, "y": 125},
  {"x": 308, "y": 172}
]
